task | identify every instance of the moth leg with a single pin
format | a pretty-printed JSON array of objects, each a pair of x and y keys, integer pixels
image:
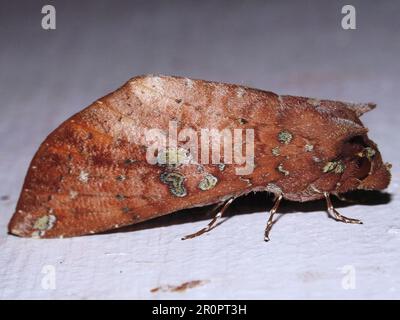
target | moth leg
[
  {"x": 271, "y": 216},
  {"x": 343, "y": 198},
  {"x": 336, "y": 215},
  {"x": 213, "y": 222}
]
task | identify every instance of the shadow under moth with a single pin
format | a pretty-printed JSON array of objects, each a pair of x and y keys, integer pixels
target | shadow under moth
[{"x": 94, "y": 173}]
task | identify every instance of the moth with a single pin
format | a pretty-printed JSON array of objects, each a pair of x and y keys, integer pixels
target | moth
[{"x": 93, "y": 172}]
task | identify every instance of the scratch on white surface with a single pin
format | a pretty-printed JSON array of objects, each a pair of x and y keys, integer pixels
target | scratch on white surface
[
  {"x": 116, "y": 254},
  {"x": 179, "y": 288},
  {"x": 394, "y": 230}
]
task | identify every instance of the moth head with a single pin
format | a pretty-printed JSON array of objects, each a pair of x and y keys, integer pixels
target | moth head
[{"x": 362, "y": 166}]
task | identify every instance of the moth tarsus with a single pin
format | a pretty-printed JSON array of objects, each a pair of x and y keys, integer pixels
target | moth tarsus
[
  {"x": 336, "y": 215},
  {"x": 224, "y": 206},
  {"x": 272, "y": 212}
]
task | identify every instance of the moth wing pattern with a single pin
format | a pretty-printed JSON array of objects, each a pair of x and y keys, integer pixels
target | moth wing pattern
[{"x": 91, "y": 174}]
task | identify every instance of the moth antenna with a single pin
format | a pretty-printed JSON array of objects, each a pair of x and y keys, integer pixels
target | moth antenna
[
  {"x": 271, "y": 216},
  {"x": 336, "y": 215},
  {"x": 213, "y": 222}
]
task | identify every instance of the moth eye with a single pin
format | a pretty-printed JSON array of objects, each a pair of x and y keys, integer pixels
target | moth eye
[
  {"x": 353, "y": 146},
  {"x": 360, "y": 162},
  {"x": 364, "y": 167},
  {"x": 358, "y": 140}
]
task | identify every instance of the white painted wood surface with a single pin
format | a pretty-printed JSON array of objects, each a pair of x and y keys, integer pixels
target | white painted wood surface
[{"x": 46, "y": 76}]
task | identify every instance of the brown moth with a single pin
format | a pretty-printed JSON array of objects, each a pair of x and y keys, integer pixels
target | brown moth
[{"x": 93, "y": 173}]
